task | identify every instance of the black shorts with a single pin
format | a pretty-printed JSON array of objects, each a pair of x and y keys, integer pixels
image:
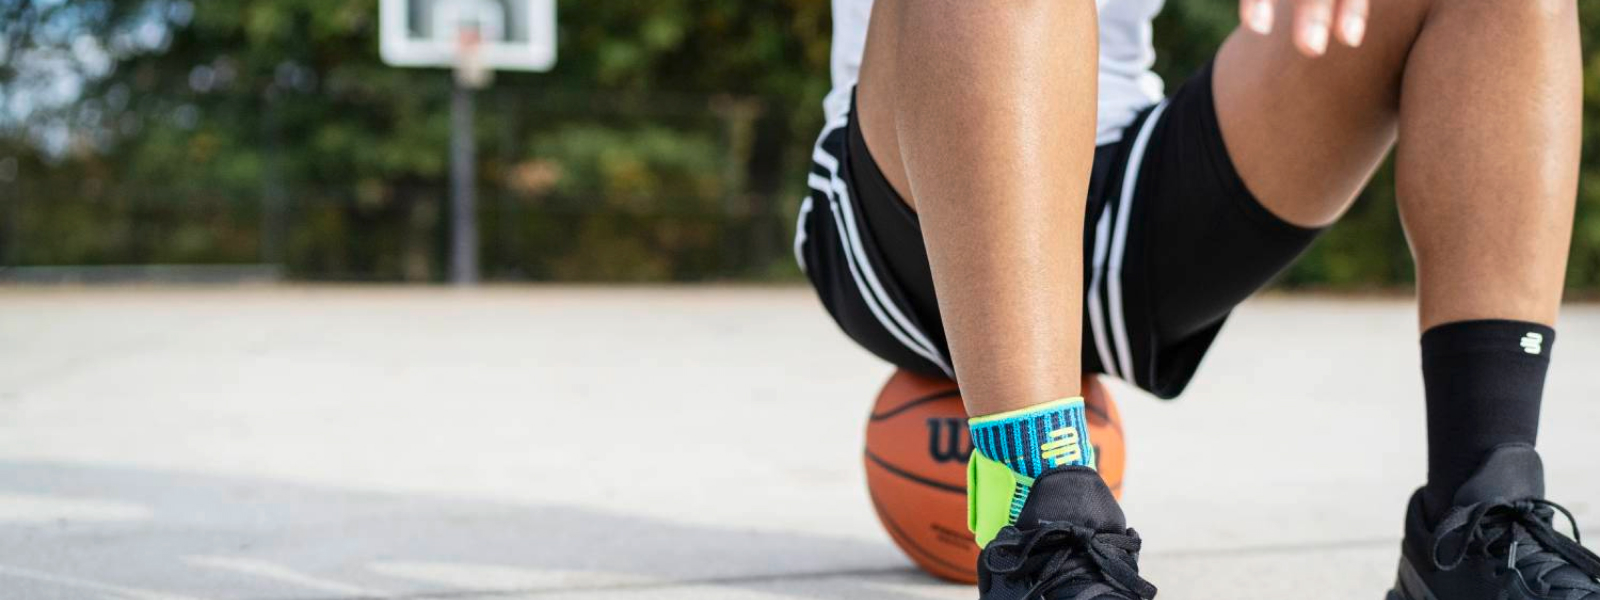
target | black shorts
[{"x": 1173, "y": 241}]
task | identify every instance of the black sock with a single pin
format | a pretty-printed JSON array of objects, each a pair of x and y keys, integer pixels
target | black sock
[{"x": 1484, "y": 381}]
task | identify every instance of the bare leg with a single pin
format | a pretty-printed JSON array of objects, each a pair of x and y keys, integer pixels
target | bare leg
[
  {"x": 982, "y": 115},
  {"x": 1485, "y": 99},
  {"x": 1488, "y": 172}
]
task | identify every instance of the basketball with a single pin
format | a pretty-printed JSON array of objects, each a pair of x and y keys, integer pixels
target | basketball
[{"x": 916, "y": 461}]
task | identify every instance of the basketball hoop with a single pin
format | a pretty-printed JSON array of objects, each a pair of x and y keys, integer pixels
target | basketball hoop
[
  {"x": 474, "y": 38},
  {"x": 471, "y": 70},
  {"x": 512, "y": 35}
]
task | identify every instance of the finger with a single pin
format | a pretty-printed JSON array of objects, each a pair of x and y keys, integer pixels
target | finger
[
  {"x": 1257, "y": 15},
  {"x": 1353, "y": 21},
  {"x": 1312, "y": 23}
]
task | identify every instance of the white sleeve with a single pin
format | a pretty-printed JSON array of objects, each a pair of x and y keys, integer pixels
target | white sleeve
[{"x": 850, "y": 19}]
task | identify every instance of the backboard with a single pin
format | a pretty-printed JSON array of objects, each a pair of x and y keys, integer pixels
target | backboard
[{"x": 517, "y": 35}]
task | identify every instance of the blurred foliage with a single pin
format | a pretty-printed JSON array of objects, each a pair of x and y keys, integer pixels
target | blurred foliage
[{"x": 669, "y": 143}]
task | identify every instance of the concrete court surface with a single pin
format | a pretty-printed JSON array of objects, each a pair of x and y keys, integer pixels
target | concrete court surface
[{"x": 287, "y": 443}]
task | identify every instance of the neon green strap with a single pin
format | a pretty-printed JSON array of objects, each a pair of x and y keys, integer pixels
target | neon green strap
[{"x": 990, "y": 485}]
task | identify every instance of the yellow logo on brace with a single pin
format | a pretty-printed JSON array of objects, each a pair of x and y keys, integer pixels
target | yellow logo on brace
[{"x": 1063, "y": 447}]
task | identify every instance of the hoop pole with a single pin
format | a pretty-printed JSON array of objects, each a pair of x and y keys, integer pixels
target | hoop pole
[{"x": 463, "y": 189}]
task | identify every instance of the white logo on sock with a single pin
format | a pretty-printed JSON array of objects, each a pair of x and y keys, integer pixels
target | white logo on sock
[{"x": 1533, "y": 343}]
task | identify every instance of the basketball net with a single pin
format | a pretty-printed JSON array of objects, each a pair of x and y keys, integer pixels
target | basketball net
[{"x": 471, "y": 71}]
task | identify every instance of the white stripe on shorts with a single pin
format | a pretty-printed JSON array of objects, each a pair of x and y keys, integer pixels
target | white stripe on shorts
[
  {"x": 1093, "y": 303},
  {"x": 800, "y": 232},
  {"x": 1119, "y": 243},
  {"x": 872, "y": 292}
]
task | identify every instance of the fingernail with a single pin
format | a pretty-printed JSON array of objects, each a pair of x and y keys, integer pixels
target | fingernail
[
  {"x": 1354, "y": 28},
  {"x": 1261, "y": 17},
  {"x": 1316, "y": 37}
]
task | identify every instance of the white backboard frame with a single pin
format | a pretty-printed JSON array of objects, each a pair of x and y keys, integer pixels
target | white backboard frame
[{"x": 400, "y": 48}]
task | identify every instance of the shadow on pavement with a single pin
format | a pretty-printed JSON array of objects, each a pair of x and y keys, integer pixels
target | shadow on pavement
[{"x": 77, "y": 531}]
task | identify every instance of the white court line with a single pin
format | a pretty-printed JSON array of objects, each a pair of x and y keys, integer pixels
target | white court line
[
  {"x": 277, "y": 572},
  {"x": 469, "y": 576},
  {"x": 43, "y": 508},
  {"x": 73, "y": 582}
]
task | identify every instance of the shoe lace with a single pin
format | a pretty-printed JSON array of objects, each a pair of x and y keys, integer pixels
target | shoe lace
[
  {"x": 1524, "y": 534},
  {"x": 1059, "y": 554}
]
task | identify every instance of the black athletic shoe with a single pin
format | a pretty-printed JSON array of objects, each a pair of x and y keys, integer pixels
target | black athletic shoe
[
  {"x": 1070, "y": 542},
  {"x": 1497, "y": 542}
]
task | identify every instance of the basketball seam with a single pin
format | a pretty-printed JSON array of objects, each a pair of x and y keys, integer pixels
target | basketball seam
[
  {"x": 907, "y": 543},
  {"x": 1099, "y": 411},
  {"x": 939, "y": 395},
  {"x": 954, "y": 489}
]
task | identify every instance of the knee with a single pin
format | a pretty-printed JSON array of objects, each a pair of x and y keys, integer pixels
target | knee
[
  {"x": 1553, "y": 12},
  {"x": 1557, "y": 11},
  {"x": 1522, "y": 15}
]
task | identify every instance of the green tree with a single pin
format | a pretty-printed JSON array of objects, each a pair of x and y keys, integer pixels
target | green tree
[
  {"x": 669, "y": 143},
  {"x": 255, "y": 127}
]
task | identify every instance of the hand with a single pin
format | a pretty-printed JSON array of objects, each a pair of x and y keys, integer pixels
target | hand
[{"x": 1315, "y": 21}]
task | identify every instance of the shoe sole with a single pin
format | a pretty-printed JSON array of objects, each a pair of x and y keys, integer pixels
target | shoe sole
[{"x": 1408, "y": 584}]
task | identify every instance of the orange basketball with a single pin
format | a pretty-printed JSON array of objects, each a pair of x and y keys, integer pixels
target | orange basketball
[{"x": 916, "y": 458}]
